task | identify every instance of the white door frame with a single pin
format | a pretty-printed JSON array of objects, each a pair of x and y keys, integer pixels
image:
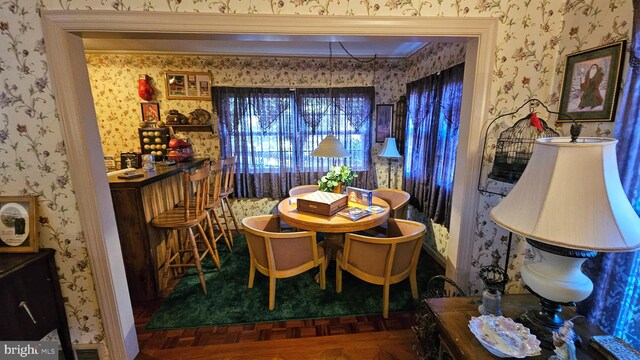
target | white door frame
[{"x": 63, "y": 35}]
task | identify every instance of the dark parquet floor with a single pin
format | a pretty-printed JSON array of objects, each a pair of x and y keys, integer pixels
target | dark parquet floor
[{"x": 350, "y": 337}]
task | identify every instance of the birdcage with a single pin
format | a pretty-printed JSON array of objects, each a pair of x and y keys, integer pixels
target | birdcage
[{"x": 514, "y": 149}]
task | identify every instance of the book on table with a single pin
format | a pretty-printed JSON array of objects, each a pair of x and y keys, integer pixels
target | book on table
[{"x": 354, "y": 213}]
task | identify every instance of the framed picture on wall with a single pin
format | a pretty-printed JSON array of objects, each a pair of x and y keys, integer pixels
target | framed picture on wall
[
  {"x": 18, "y": 216},
  {"x": 384, "y": 116},
  {"x": 188, "y": 85},
  {"x": 591, "y": 82},
  {"x": 150, "y": 111}
]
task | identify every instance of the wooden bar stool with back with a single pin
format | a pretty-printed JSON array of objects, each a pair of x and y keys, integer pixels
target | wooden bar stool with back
[
  {"x": 183, "y": 219},
  {"x": 228, "y": 179}
]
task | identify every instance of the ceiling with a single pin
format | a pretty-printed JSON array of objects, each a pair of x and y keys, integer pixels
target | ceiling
[{"x": 257, "y": 45}]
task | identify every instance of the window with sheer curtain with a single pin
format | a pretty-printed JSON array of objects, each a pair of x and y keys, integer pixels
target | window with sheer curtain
[
  {"x": 272, "y": 132},
  {"x": 433, "y": 119},
  {"x": 615, "y": 302}
]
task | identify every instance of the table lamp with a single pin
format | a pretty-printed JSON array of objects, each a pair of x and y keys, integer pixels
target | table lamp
[
  {"x": 330, "y": 147},
  {"x": 569, "y": 204},
  {"x": 389, "y": 151}
]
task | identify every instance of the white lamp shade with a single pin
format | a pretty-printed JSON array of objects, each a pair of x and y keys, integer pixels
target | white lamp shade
[
  {"x": 330, "y": 147},
  {"x": 570, "y": 195},
  {"x": 389, "y": 149}
]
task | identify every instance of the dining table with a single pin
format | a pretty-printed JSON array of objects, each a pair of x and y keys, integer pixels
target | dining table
[{"x": 335, "y": 226}]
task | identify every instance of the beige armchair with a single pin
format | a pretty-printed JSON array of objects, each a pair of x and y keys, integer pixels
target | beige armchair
[
  {"x": 280, "y": 255},
  {"x": 398, "y": 200},
  {"x": 303, "y": 189},
  {"x": 383, "y": 261}
]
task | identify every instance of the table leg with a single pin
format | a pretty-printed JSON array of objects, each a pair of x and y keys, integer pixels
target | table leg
[{"x": 333, "y": 242}]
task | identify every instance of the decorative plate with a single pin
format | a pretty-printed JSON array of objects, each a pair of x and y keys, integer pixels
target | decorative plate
[{"x": 504, "y": 337}]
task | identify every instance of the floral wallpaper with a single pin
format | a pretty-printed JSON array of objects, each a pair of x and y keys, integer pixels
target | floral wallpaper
[{"x": 533, "y": 38}]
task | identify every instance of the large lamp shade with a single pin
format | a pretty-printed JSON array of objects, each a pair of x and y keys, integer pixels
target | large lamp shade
[
  {"x": 570, "y": 195},
  {"x": 389, "y": 149},
  {"x": 330, "y": 147}
]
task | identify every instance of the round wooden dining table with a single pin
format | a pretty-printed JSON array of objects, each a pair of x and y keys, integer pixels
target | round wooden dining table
[{"x": 333, "y": 226}]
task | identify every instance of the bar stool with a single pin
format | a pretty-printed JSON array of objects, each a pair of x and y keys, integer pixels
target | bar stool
[
  {"x": 185, "y": 218},
  {"x": 214, "y": 203},
  {"x": 228, "y": 178}
]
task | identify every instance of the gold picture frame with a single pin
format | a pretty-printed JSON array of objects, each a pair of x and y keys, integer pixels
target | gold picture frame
[
  {"x": 18, "y": 216},
  {"x": 188, "y": 85}
]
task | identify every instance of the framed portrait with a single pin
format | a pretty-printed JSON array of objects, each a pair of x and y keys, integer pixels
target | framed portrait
[
  {"x": 590, "y": 84},
  {"x": 187, "y": 85},
  {"x": 150, "y": 111},
  {"x": 18, "y": 216},
  {"x": 384, "y": 115}
]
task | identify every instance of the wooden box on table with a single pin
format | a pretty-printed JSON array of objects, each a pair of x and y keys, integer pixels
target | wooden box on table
[{"x": 322, "y": 203}]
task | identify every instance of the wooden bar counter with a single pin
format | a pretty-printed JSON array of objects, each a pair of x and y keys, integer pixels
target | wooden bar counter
[{"x": 135, "y": 203}]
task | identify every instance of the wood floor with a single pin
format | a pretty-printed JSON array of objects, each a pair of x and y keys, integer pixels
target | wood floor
[{"x": 350, "y": 338}]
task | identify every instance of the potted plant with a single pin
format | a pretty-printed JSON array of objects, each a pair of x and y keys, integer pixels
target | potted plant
[{"x": 336, "y": 178}]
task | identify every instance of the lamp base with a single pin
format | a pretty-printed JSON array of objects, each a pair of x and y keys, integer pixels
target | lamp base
[
  {"x": 543, "y": 322},
  {"x": 556, "y": 278}
]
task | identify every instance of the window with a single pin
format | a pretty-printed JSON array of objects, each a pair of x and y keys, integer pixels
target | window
[{"x": 272, "y": 132}]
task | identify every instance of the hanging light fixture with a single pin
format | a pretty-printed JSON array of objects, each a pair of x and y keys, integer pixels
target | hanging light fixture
[{"x": 330, "y": 146}]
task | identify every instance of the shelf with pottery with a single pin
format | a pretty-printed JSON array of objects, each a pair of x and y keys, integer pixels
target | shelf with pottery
[{"x": 194, "y": 128}]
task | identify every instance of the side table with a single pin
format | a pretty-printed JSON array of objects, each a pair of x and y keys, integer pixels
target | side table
[{"x": 452, "y": 317}]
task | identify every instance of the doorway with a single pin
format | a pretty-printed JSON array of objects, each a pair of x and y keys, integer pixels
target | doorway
[{"x": 63, "y": 32}]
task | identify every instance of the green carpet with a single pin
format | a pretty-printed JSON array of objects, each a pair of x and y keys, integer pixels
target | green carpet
[{"x": 229, "y": 301}]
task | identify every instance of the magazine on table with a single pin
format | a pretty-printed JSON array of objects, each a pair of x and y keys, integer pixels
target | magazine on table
[{"x": 354, "y": 213}]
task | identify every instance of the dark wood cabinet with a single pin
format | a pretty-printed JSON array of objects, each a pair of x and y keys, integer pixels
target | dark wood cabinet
[{"x": 31, "y": 303}]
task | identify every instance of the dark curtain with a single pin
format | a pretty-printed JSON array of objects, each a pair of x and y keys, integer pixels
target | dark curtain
[
  {"x": 615, "y": 302},
  {"x": 433, "y": 120},
  {"x": 272, "y": 132}
]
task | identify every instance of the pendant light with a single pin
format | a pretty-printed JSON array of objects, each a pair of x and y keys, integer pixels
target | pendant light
[{"x": 330, "y": 146}]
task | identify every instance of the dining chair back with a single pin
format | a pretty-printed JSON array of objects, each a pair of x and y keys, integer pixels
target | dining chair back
[
  {"x": 303, "y": 189},
  {"x": 383, "y": 261},
  {"x": 192, "y": 213},
  {"x": 398, "y": 200},
  {"x": 280, "y": 254},
  {"x": 226, "y": 190}
]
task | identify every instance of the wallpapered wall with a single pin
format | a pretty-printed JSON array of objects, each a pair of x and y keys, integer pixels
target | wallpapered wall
[{"x": 533, "y": 38}]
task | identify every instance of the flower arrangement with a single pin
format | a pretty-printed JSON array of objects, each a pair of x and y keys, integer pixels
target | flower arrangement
[{"x": 336, "y": 177}]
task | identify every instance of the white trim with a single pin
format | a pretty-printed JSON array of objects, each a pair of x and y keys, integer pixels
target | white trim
[{"x": 79, "y": 125}]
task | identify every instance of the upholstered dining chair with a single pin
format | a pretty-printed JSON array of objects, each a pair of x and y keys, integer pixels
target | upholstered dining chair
[
  {"x": 302, "y": 189},
  {"x": 383, "y": 261},
  {"x": 398, "y": 200},
  {"x": 281, "y": 255},
  {"x": 185, "y": 218},
  {"x": 214, "y": 203},
  {"x": 226, "y": 190}
]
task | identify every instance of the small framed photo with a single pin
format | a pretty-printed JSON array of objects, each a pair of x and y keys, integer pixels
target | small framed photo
[
  {"x": 18, "y": 216},
  {"x": 150, "y": 111},
  {"x": 187, "y": 85},
  {"x": 590, "y": 83},
  {"x": 384, "y": 114}
]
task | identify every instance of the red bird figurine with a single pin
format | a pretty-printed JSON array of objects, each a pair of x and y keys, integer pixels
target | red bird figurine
[{"x": 535, "y": 122}]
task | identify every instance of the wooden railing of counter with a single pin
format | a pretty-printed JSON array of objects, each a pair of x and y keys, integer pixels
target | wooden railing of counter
[{"x": 136, "y": 202}]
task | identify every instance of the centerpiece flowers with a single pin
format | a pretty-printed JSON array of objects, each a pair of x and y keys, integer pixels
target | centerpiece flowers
[{"x": 336, "y": 178}]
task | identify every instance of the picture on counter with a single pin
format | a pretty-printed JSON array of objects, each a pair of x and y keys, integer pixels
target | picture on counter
[
  {"x": 150, "y": 111},
  {"x": 590, "y": 84},
  {"x": 18, "y": 224},
  {"x": 187, "y": 85},
  {"x": 384, "y": 114}
]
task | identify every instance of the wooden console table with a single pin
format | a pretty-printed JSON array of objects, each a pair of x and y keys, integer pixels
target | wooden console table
[
  {"x": 452, "y": 317},
  {"x": 135, "y": 203}
]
